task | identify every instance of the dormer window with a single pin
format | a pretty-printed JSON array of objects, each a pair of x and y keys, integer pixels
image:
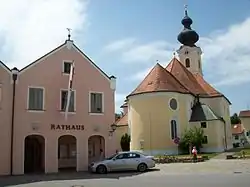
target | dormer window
[{"x": 187, "y": 62}]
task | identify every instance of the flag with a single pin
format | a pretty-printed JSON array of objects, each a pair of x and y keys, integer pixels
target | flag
[{"x": 71, "y": 75}]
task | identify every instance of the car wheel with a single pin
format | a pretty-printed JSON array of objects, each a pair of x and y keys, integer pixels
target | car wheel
[
  {"x": 142, "y": 167},
  {"x": 101, "y": 169}
]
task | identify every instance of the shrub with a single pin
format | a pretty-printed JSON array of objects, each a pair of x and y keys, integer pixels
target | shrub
[
  {"x": 125, "y": 142},
  {"x": 191, "y": 137}
]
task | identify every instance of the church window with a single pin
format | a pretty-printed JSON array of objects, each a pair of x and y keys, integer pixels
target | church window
[
  {"x": 203, "y": 125},
  {"x": 187, "y": 62},
  {"x": 173, "y": 104},
  {"x": 173, "y": 129},
  {"x": 186, "y": 52},
  {"x": 199, "y": 64},
  {"x": 205, "y": 140}
]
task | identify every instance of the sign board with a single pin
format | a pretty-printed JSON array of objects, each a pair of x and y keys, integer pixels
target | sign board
[
  {"x": 67, "y": 127},
  {"x": 177, "y": 140}
]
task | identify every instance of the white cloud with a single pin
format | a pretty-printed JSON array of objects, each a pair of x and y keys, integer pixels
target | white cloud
[
  {"x": 29, "y": 29},
  {"x": 119, "y": 45},
  {"x": 226, "y": 58},
  {"x": 132, "y": 51},
  {"x": 119, "y": 100}
]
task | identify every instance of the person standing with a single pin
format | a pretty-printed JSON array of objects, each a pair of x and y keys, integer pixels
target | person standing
[{"x": 194, "y": 152}]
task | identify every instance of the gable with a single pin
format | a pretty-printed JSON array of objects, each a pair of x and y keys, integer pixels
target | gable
[
  {"x": 91, "y": 62},
  {"x": 5, "y": 67},
  {"x": 54, "y": 51}
]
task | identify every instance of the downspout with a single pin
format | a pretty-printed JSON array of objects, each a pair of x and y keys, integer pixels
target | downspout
[
  {"x": 14, "y": 78},
  {"x": 225, "y": 132}
]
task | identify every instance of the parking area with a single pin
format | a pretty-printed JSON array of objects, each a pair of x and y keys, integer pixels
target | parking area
[{"x": 208, "y": 168}]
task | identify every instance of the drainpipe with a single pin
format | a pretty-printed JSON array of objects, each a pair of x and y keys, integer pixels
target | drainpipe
[
  {"x": 225, "y": 132},
  {"x": 14, "y": 78}
]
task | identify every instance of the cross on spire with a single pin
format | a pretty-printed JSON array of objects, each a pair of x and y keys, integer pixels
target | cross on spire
[
  {"x": 69, "y": 33},
  {"x": 185, "y": 9}
]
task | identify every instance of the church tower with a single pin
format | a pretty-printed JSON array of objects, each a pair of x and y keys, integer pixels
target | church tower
[{"x": 189, "y": 54}]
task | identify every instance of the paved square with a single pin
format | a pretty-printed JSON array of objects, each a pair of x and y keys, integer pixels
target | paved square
[{"x": 218, "y": 173}]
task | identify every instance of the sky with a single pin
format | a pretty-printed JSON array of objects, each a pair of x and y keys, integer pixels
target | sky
[{"x": 126, "y": 38}]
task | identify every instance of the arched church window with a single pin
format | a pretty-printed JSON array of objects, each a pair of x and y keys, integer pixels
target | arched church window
[
  {"x": 173, "y": 129},
  {"x": 199, "y": 64},
  {"x": 187, "y": 62},
  {"x": 186, "y": 52}
]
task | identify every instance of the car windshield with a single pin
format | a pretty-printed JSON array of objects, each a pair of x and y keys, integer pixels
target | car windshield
[{"x": 109, "y": 158}]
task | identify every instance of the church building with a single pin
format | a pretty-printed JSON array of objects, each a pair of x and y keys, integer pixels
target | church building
[{"x": 174, "y": 98}]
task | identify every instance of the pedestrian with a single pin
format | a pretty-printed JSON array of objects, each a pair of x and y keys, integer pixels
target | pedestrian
[{"x": 194, "y": 152}]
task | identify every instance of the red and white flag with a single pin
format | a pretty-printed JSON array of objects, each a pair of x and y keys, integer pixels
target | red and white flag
[{"x": 71, "y": 76}]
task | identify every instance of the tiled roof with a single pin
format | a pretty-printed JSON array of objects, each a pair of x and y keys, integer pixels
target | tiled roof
[
  {"x": 158, "y": 80},
  {"x": 176, "y": 68},
  {"x": 237, "y": 129},
  {"x": 209, "y": 90},
  {"x": 244, "y": 113},
  {"x": 123, "y": 120},
  {"x": 193, "y": 82}
]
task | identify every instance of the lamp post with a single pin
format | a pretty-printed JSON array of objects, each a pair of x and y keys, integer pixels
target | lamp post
[
  {"x": 113, "y": 128},
  {"x": 14, "y": 72}
]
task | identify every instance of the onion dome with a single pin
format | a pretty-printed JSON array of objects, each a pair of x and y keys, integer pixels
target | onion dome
[{"x": 187, "y": 36}]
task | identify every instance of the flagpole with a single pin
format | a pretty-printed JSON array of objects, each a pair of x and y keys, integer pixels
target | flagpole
[{"x": 72, "y": 67}]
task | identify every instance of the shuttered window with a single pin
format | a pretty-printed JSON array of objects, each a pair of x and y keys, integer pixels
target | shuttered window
[
  {"x": 64, "y": 97},
  {"x": 36, "y": 98},
  {"x": 96, "y": 100}
]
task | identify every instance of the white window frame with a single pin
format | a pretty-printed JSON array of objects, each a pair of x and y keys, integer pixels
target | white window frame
[
  {"x": 178, "y": 128},
  {"x": 176, "y": 102},
  {"x": 28, "y": 96},
  {"x": 74, "y": 91},
  {"x": 66, "y": 61},
  {"x": 102, "y": 113}
]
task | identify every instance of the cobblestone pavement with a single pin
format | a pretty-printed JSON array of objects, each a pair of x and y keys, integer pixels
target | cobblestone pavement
[
  {"x": 212, "y": 166},
  {"x": 227, "y": 172}
]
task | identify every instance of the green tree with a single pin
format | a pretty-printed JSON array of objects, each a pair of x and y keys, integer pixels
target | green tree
[
  {"x": 235, "y": 119},
  {"x": 125, "y": 142},
  {"x": 191, "y": 137}
]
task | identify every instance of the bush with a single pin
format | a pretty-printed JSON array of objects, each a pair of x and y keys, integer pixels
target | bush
[
  {"x": 125, "y": 142},
  {"x": 191, "y": 137}
]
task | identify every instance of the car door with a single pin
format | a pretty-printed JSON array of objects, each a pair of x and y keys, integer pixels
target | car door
[
  {"x": 119, "y": 162},
  {"x": 133, "y": 161}
]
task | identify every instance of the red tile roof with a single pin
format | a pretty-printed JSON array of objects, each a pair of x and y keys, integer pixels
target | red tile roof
[
  {"x": 209, "y": 90},
  {"x": 176, "y": 68},
  {"x": 176, "y": 78},
  {"x": 123, "y": 120},
  {"x": 193, "y": 82},
  {"x": 158, "y": 80},
  {"x": 244, "y": 113},
  {"x": 237, "y": 129}
]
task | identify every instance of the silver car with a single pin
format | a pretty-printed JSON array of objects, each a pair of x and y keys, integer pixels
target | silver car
[{"x": 124, "y": 161}]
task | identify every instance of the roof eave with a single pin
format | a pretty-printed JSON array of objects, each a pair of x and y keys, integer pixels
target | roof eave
[{"x": 141, "y": 93}]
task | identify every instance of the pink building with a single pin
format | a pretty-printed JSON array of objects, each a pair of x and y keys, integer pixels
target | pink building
[{"x": 34, "y": 130}]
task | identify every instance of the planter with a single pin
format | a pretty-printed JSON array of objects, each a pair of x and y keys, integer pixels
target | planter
[{"x": 172, "y": 159}]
